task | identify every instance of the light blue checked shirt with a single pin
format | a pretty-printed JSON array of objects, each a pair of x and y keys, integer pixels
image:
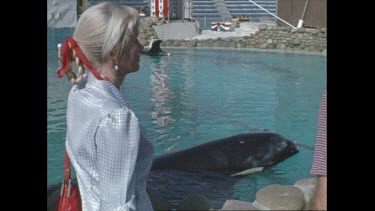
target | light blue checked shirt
[{"x": 107, "y": 147}]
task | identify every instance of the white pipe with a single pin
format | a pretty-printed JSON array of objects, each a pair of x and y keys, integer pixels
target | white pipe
[
  {"x": 300, "y": 22},
  {"x": 273, "y": 14},
  {"x": 304, "y": 10}
]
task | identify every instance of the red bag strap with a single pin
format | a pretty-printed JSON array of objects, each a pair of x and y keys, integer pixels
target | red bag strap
[{"x": 66, "y": 167}]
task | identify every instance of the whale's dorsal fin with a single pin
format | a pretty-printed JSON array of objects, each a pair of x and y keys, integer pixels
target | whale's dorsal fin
[
  {"x": 155, "y": 46},
  {"x": 248, "y": 171}
]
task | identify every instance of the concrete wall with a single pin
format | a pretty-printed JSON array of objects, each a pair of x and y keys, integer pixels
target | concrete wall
[{"x": 177, "y": 30}]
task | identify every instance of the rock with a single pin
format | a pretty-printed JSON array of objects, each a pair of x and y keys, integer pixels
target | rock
[
  {"x": 307, "y": 186},
  {"x": 237, "y": 205},
  {"x": 281, "y": 46},
  {"x": 281, "y": 197},
  {"x": 263, "y": 45},
  {"x": 301, "y": 30},
  {"x": 148, "y": 22},
  {"x": 295, "y": 41},
  {"x": 285, "y": 28},
  {"x": 315, "y": 32},
  {"x": 195, "y": 202},
  {"x": 262, "y": 27}
]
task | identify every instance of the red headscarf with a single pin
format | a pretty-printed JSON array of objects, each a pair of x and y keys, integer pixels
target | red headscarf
[{"x": 81, "y": 56}]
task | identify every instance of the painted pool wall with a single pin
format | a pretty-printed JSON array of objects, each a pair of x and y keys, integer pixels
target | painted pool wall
[{"x": 178, "y": 30}]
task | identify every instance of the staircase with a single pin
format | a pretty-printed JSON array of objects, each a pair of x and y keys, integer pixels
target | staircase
[
  {"x": 223, "y": 10},
  {"x": 136, "y": 4},
  {"x": 240, "y": 8},
  {"x": 205, "y": 11}
]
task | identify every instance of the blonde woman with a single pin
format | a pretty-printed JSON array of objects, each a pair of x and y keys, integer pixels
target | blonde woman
[{"x": 104, "y": 140}]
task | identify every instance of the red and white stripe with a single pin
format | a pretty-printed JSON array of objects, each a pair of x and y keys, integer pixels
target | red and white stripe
[
  {"x": 319, "y": 166},
  {"x": 159, "y": 8}
]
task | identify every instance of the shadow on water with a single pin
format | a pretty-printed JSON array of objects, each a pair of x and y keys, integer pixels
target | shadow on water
[{"x": 175, "y": 185}]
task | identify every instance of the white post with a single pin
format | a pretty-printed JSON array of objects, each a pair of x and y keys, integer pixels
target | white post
[
  {"x": 273, "y": 14},
  {"x": 300, "y": 23}
]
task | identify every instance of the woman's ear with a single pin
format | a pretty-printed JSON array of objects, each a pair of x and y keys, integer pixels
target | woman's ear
[{"x": 113, "y": 55}]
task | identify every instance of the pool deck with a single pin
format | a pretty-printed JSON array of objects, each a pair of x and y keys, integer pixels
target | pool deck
[{"x": 246, "y": 28}]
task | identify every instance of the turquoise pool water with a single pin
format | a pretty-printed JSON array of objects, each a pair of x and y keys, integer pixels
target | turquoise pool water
[{"x": 198, "y": 95}]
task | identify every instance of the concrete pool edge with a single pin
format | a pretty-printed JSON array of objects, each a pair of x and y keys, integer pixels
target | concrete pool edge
[{"x": 314, "y": 53}]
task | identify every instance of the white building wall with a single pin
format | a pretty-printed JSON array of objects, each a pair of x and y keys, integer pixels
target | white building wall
[{"x": 188, "y": 9}]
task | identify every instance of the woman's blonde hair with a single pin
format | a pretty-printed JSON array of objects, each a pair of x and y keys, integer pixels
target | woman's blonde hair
[{"x": 103, "y": 29}]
